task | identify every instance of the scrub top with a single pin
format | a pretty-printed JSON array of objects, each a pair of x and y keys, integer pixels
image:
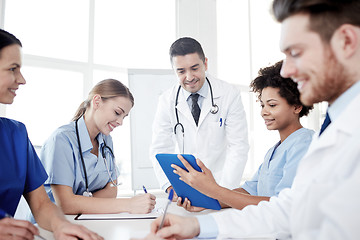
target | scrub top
[
  {"x": 61, "y": 158},
  {"x": 279, "y": 167},
  {"x": 21, "y": 170}
]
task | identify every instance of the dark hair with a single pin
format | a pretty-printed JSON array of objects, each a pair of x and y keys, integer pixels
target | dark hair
[
  {"x": 184, "y": 46},
  {"x": 108, "y": 88},
  {"x": 270, "y": 77},
  {"x": 7, "y": 39},
  {"x": 325, "y": 15}
]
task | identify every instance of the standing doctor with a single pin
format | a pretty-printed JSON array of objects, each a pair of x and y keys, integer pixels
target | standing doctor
[{"x": 202, "y": 116}]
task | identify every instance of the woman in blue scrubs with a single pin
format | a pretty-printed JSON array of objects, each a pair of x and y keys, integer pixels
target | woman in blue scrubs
[
  {"x": 21, "y": 172},
  {"x": 281, "y": 110},
  {"x": 79, "y": 160}
]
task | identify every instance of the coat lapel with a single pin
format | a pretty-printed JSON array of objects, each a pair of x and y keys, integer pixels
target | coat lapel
[
  {"x": 207, "y": 104},
  {"x": 342, "y": 125},
  {"x": 184, "y": 109},
  {"x": 205, "y": 109}
]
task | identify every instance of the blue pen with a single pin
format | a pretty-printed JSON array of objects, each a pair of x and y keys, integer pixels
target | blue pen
[
  {"x": 4, "y": 214},
  {"x": 144, "y": 189},
  {"x": 220, "y": 122},
  {"x": 171, "y": 194}
]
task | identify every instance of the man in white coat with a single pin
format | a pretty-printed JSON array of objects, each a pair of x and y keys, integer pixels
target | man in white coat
[
  {"x": 321, "y": 42},
  {"x": 212, "y": 127}
]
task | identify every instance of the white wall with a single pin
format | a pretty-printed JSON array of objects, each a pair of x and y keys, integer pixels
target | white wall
[{"x": 238, "y": 37}]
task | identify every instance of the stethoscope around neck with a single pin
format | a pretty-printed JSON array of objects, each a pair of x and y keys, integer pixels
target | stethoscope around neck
[
  {"x": 214, "y": 109},
  {"x": 87, "y": 193}
]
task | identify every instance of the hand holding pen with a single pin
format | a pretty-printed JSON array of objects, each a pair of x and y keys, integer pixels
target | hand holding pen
[
  {"x": 171, "y": 194},
  {"x": 10, "y": 228},
  {"x": 144, "y": 189},
  {"x": 142, "y": 203},
  {"x": 174, "y": 226}
]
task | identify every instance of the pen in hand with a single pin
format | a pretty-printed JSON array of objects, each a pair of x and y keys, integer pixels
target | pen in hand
[
  {"x": 144, "y": 189},
  {"x": 3, "y": 214},
  {"x": 171, "y": 194}
]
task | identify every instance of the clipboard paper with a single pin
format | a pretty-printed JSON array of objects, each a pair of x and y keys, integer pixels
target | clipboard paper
[{"x": 117, "y": 216}]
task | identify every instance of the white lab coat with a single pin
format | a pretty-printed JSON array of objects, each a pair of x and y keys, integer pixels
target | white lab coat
[
  {"x": 324, "y": 201},
  {"x": 223, "y": 147}
]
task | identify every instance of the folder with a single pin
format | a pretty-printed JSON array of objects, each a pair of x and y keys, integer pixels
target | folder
[{"x": 182, "y": 189}]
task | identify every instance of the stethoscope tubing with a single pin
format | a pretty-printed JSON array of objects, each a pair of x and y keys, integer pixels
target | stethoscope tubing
[
  {"x": 214, "y": 108},
  {"x": 81, "y": 156},
  {"x": 83, "y": 162}
]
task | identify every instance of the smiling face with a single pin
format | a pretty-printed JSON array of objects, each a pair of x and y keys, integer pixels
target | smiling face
[
  {"x": 310, "y": 62},
  {"x": 190, "y": 70},
  {"x": 276, "y": 112},
  {"x": 10, "y": 75},
  {"x": 110, "y": 113}
]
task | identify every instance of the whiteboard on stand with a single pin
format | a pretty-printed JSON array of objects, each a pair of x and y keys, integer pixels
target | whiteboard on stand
[{"x": 146, "y": 85}]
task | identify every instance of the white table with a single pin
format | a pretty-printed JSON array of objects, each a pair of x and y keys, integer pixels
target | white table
[
  {"x": 124, "y": 229},
  {"x": 111, "y": 229}
]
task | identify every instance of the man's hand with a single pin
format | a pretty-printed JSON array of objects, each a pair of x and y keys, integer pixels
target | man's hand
[{"x": 175, "y": 227}]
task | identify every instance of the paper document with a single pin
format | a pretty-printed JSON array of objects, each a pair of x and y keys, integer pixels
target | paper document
[
  {"x": 117, "y": 216},
  {"x": 158, "y": 211}
]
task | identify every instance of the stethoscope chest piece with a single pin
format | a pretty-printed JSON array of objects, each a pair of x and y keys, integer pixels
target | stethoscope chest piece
[
  {"x": 87, "y": 194},
  {"x": 214, "y": 109}
]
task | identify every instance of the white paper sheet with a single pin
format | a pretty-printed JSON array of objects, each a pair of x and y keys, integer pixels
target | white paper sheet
[
  {"x": 117, "y": 216},
  {"x": 158, "y": 211}
]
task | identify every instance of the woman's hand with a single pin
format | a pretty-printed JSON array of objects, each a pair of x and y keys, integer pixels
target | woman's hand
[
  {"x": 144, "y": 203},
  {"x": 17, "y": 229},
  {"x": 175, "y": 196},
  {"x": 202, "y": 181},
  {"x": 187, "y": 205}
]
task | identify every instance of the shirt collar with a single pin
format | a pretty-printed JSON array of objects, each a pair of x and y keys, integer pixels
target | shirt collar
[
  {"x": 100, "y": 137},
  {"x": 85, "y": 140},
  {"x": 341, "y": 102},
  {"x": 203, "y": 92}
]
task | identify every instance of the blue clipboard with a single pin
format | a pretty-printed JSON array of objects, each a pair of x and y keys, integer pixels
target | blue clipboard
[{"x": 182, "y": 189}]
